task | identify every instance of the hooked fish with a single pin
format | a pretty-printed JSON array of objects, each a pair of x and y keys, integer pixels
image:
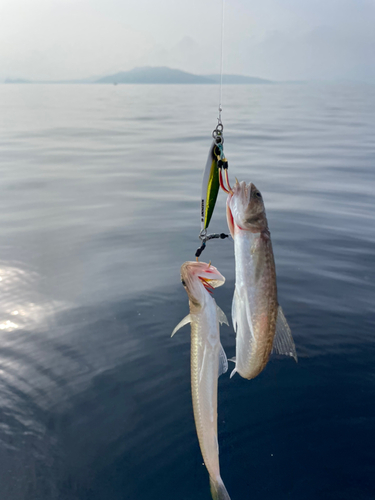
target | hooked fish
[
  {"x": 257, "y": 318},
  {"x": 208, "y": 361}
]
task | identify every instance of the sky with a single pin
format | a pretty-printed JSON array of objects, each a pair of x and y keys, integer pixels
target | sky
[{"x": 275, "y": 39}]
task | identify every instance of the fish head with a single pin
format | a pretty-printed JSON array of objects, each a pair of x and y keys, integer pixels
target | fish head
[
  {"x": 245, "y": 209},
  {"x": 199, "y": 277}
]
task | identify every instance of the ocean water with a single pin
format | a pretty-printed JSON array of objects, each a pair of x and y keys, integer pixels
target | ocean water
[{"x": 99, "y": 207}]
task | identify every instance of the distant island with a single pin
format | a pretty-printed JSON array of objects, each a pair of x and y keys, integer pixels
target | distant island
[
  {"x": 239, "y": 79},
  {"x": 155, "y": 75},
  {"x": 17, "y": 80},
  {"x": 164, "y": 75}
]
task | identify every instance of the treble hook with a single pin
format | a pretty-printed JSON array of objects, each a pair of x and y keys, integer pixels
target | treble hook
[{"x": 222, "y": 163}]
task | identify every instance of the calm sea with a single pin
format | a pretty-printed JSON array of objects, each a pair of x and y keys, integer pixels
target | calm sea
[{"x": 99, "y": 207}]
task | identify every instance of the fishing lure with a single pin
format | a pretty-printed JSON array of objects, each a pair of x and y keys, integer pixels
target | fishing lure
[{"x": 211, "y": 183}]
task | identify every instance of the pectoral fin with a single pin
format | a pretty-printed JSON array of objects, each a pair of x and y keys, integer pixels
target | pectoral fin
[
  {"x": 283, "y": 342},
  {"x": 234, "y": 370},
  {"x": 221, "y": 316},
  {"x": 182, "y": 323},
  {"x": 235, "y": 305},
  {"x": 223, "y": 362}
]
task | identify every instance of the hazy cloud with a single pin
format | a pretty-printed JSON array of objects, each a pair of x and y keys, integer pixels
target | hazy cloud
[{"x": 292, "y": 39}]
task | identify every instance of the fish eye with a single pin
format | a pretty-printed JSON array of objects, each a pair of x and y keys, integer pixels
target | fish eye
[
  {"x": 183, "y": 282},
  {"x": 257, "y": 194}
]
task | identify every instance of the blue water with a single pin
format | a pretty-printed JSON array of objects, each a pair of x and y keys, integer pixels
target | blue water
[{"x": 99, "y": 207}]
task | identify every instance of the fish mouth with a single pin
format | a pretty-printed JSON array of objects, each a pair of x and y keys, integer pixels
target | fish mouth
[
  {"x": 194, "y": 273},
  {"x": 206, "y": 284},
  {"x": 245, "y": 198},
  {"x": 230, "y": 219}
]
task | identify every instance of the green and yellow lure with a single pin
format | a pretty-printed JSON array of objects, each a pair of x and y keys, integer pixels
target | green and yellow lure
[{"x": 210, "y": 186}]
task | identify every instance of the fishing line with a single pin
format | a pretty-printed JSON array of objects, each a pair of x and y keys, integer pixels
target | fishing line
[
  {"x": 216, "y": 162},
  {"x": 221, "y": 61}
]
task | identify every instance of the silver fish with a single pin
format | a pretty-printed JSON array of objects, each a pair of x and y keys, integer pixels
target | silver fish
[
  {"x": 258, "y": 319},
  {"x": 208, "y": 362}
]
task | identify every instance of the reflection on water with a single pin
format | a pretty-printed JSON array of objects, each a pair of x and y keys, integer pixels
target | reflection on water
[
  {"x": 99, "y": 208},
  {"x": 18, "y": 288}
]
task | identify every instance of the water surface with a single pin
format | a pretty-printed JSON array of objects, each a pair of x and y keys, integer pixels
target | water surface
[{"x": 99, "y": 207}]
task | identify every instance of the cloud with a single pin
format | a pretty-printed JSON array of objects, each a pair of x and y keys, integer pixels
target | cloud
[
  {"x": 323, "y": 53},
  {"x": 292, "y": 39},
  {"x": 187, "y": 55},
  {"x": 66, "y": 40}
]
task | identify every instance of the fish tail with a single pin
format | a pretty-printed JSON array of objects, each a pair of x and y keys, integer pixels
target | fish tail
[{"x": 218, "y": 490}]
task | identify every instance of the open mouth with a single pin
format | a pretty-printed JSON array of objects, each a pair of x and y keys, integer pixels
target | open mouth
[
  {"x": 206, "y": 284},
  {"x": 230, "y": 220}
]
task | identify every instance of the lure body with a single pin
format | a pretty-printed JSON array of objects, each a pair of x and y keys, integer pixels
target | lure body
[
  {"x": 208, "y": 362},
  {"x": 210, "y": 187}
]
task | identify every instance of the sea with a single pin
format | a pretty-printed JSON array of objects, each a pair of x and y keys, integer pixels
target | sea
[{"x": 99, "y": 207}]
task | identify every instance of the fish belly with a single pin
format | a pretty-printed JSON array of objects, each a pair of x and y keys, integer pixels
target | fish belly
[
  {"x": 205, "y": 345},
  {"x": 254, "y": 309}
]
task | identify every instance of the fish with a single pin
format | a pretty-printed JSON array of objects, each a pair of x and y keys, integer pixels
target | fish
[
  {"x": 208, "y": 361},
  {"x": 258, "y": 319}
]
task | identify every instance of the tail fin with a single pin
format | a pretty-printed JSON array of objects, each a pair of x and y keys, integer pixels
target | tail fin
[{"x": 218, "y": 490}]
